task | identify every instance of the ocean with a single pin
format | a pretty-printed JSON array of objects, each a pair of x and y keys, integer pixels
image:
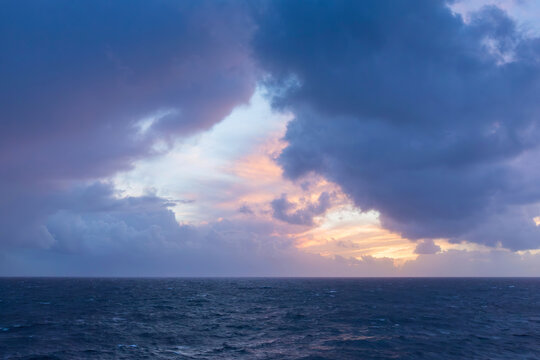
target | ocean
[{"x": 269, "y": 318}]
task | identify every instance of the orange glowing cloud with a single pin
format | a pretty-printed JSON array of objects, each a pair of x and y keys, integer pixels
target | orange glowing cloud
[{"x": 347, "y": 232}]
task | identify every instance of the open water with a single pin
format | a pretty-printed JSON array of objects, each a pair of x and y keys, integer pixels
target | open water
[{"x": 269, "y": 318}]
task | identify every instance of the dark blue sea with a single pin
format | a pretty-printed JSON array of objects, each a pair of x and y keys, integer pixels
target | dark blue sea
[{"x": 47, "y": 318}]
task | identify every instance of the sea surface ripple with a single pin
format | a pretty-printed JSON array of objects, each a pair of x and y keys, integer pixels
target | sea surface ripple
[{"x": 72, "y": 318}]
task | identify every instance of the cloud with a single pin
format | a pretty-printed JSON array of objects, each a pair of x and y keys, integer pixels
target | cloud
[
  {"x": 78, "y": 79},
  {"x": 430, "y": 120},
  {"x": 139, "y": 236},
  {"x": 95, "y": 233},
  {"x": 425, "y": 247},
  {"x": 87, "y": 89},
  {"x": 287, "y": 211},
  {"x": 245, "y": 209},
  {"x": 412, "y": 111},
  {"x": 91, "y": 219}
]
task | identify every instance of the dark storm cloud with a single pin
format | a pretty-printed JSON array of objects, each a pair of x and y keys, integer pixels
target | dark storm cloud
[
  {"x": 89, "y": 87},
  {"x": 414, "y": 112},
  {"x": 300, "y": 214},
  {"x": 431, "y": 121},
  {"x": 77, "y": 77}
]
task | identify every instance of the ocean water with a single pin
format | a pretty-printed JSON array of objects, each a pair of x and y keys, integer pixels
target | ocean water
[{"x": 269, "y": 318}]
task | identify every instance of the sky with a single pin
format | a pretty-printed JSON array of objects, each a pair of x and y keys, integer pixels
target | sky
[{"x": 270, "y": 138}]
